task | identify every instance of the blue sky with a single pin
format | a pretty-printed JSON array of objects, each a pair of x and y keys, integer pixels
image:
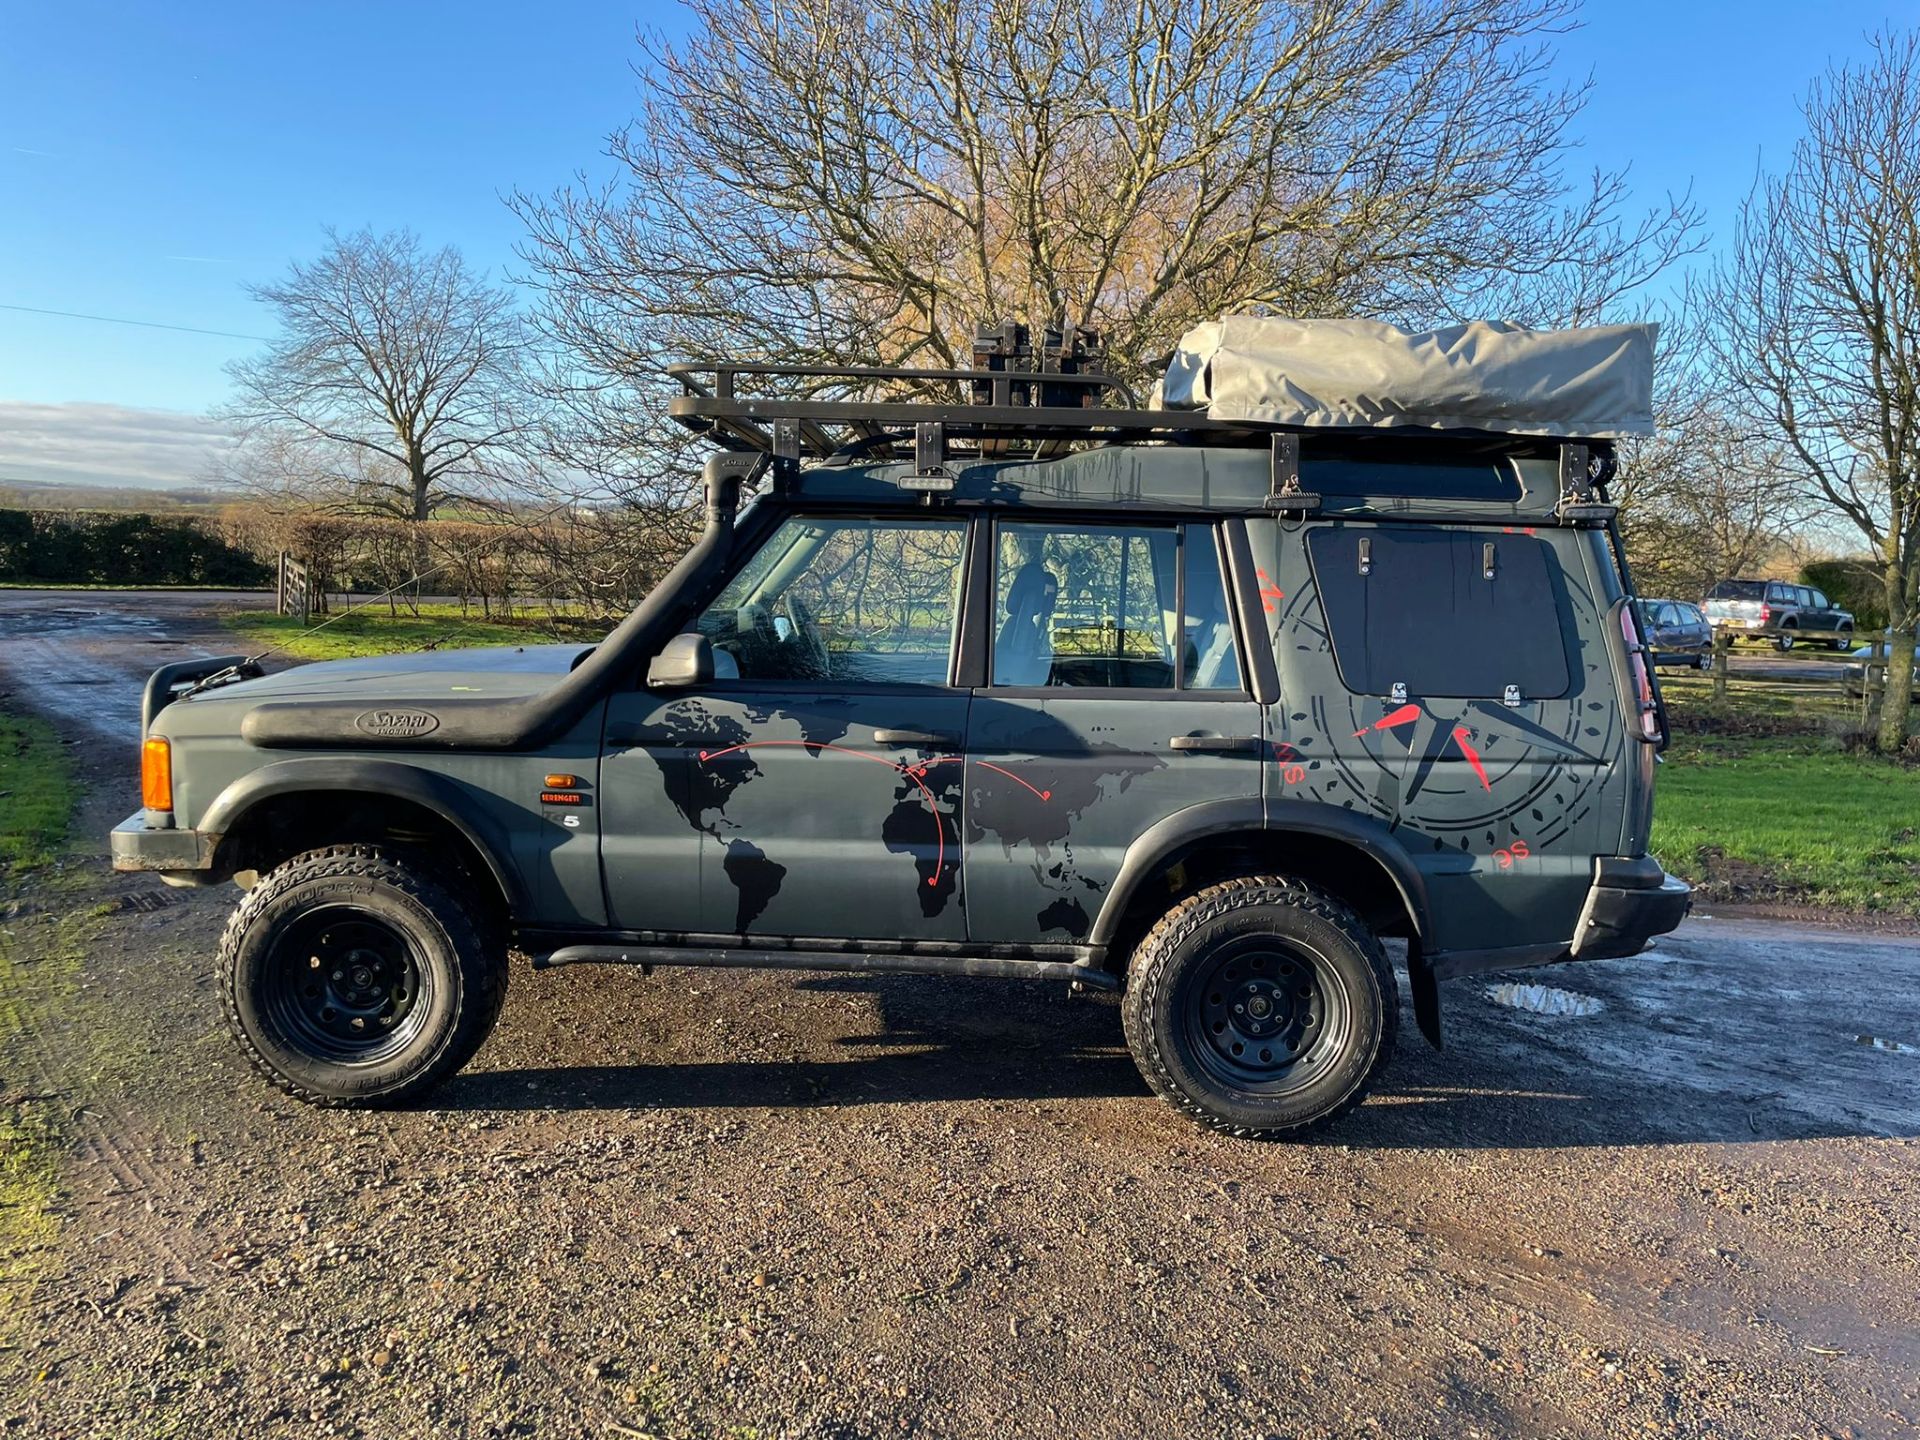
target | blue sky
[{"x": 152, "y": 158}]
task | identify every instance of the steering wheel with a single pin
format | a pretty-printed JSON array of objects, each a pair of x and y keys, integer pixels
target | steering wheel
[{"x": 806, "y": 638}]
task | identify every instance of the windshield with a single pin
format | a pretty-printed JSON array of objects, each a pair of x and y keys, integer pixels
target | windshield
[{"x": 1738, "y": 590}]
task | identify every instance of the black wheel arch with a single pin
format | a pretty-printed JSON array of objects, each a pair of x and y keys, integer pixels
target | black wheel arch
[
  {"x": 1354, "y": 858},
  {"x": 269, "y": 815}
]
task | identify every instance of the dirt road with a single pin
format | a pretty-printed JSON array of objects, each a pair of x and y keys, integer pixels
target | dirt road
[{"x": 712, "y": 1204}]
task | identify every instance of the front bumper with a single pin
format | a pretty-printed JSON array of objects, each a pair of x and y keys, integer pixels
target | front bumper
[
  {"x": 181, "y": 857},
  {"x": 1629, "y": 902}
]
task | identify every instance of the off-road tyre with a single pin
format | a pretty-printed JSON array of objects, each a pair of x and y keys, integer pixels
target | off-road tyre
[
  {"x": 363, "y": 893},
  {"x": 1784, "y": 641},
  {"x": 1842, "y": 639},
  {"x": 1199, "y": 959}
]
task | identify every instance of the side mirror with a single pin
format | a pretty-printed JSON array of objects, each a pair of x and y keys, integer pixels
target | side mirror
[{"x": 685, "y": 660}]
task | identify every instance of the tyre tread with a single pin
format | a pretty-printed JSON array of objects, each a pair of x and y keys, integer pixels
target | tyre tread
[
  {"x": 483, "y": 960},
  {"x": 1148, "y": 976}
]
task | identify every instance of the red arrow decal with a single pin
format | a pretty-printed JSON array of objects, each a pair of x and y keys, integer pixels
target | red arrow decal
[
  {"x": 1405, "y": 715},
  {"x": 1462, "y": 738}
]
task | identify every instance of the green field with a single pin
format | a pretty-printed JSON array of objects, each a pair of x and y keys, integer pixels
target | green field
[
  {"x": 36, "y": 800},
  {"x": 373, "y": 630},
  {"x": 36, "y": 792},
  {"x": 1769, "y": 799}
]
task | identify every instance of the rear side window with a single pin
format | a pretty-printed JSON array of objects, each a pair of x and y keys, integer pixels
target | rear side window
[
  {"x": 1413, "y": 606},
  {"x": 1780, "y": 595},
  {"x": 1141, "y": 607}
]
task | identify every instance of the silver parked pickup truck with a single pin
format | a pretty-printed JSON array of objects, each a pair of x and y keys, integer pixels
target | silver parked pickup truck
[{"x": 1778, "y": 612}]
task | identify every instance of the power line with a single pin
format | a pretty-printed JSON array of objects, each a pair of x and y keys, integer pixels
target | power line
[{"x": 144, "y": 324}]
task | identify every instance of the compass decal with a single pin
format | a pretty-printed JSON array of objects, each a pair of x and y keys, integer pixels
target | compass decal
[{"x": 1467, "y": 773}]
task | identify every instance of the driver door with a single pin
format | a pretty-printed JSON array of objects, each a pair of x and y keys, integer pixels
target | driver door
[{"x": 813, "y": 788}]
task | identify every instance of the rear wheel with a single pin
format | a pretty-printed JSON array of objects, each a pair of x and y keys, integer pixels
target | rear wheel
[
  {"x": 1784, "y": 640},
  {"x": 1261, "y": 1008},
  {"x": 352, "y": 977}
]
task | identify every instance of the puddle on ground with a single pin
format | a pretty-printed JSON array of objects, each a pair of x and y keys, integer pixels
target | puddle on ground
[
  {"x": 38, "y": 621},
  {"x": 1895, "y": 1047},
  {"x": 1543, "y": 1000}
]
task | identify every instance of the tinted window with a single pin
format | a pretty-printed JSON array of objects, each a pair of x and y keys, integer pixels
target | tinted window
[
  {"x": 1099, "y": 606},
  {"x": 1780, "y": 594},
  {"x": 844, "y": 602},
  {"x": 1738, "y": 590},
  {"x": 1425, "y": 615}
]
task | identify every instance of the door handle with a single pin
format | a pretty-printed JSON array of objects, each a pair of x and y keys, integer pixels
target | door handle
[
  {"x": 914, "y": 737},
  {"x": 1215, "y": 742}
]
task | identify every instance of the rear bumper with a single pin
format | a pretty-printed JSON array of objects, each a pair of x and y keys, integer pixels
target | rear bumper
[
  {"x": 1630, "y": 902},
  {"x": 182, "y": 857}
]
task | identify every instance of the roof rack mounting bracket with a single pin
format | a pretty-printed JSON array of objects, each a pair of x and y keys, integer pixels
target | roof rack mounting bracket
[
  {"x": 930, "y": 473},
  {"x": 786, "y": 455},
  {"x": 1283, "y": 490},
  {"x": 1581, "y": 501}
]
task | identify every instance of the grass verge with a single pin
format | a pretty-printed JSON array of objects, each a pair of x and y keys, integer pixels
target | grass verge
[
  {"x": 36, "y": 793},
  {"x": 36, "y": 800},
  {"x": 375, "y": 630},
  {"x": 1767, "y": 798}
]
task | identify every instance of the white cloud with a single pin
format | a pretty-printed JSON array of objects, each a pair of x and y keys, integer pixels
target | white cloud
[{"x": 88, "y": 444}]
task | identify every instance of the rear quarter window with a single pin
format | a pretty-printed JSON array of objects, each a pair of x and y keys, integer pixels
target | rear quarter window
[{"x": 1426, "y": 616}]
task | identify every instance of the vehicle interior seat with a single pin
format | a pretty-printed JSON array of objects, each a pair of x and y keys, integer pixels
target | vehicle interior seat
[{"x": 1023, "y": 652}]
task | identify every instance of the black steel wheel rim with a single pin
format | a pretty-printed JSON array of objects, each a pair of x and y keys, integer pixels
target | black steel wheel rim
[
  {"x": 343, "y": 985},
  {"x": 1264, "y": 1015}
]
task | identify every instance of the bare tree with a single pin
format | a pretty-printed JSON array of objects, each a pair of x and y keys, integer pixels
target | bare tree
[
  {"x": 1817, "y": 319},
  {"x": 861, "y": 181},
  {"x": 397, "y": 384},
  {"x": 1705, "y": 499}
]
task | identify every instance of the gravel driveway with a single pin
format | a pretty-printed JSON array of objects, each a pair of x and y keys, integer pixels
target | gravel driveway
[{"x": 725, "y": 1204}]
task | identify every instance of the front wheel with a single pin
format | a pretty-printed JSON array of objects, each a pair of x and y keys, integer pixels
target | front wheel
[
  {"x": 1842, "y": 641},
  {"x": 1261, "y": 1008},
  {"x": 353, "y": 977}
]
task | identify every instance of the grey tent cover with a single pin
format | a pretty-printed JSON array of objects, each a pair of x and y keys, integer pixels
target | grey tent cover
[{"x": 1594, "y": 383}]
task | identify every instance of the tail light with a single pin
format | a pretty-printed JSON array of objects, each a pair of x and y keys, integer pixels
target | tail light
[
  {"x": 1642, "y": 681},
  {"x": 156, "y": 775},
  {"x": 1766, "y": 614}
]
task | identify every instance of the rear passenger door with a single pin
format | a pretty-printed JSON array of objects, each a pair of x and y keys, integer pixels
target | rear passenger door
[{"x": 1116, "y": 696}]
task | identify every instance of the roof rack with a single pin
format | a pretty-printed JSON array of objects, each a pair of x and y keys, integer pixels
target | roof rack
[
  {"x": 1019, "y": 398},
  {"x": 1026, "y": 401},
  {"x": 791, "y": 427}
]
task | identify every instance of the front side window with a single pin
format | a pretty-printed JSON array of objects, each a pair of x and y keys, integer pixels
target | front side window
[
  {"x": 1101, "y": 607},
  {"x": 842, "y": 602}
]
